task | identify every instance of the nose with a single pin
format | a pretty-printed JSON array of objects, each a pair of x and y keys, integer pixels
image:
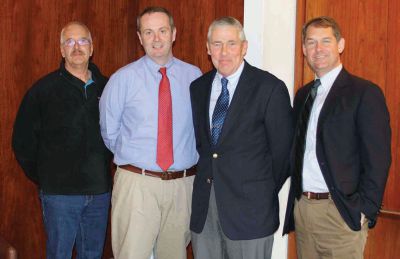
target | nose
[
  {"x": 76, "y": 45},
  {"x": 224, "y": 49},
  {"x": 318, "y": 46},
  {"x": 156, "y": 36}
]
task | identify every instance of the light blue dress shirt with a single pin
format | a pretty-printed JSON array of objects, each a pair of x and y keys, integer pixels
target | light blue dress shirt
[{"x": 129, "y": 114}]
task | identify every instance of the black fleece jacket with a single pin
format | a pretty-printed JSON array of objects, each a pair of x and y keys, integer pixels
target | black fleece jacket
[{"x": 56, "y": 137}]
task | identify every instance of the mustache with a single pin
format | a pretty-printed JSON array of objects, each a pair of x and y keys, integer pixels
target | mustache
[{"x": 77, "y": 51}]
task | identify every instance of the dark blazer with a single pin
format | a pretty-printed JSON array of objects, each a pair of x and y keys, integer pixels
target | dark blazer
[
  {"x": 249, "y": 163},
  {"x": 353, "y": 148}
]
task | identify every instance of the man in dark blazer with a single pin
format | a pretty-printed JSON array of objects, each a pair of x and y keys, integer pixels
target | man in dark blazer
[
  {"x": 341, "y": 153},
  {"x": 243, "y": 127}
]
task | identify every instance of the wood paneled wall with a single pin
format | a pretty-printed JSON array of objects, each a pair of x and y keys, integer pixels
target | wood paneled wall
[
  {"x": 372, "y": 33},
  {"x": 29, "y": 44}
]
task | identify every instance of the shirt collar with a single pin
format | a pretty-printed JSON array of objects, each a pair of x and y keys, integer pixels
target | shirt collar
[
  {"x": 89, "y": 82},
  {"x": 329, "y": 78},
  {"x": 235, "y": 76},
  {"x": 156, "y": 67}
]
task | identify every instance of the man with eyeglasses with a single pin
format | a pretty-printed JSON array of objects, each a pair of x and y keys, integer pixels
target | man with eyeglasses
[{"x": 58, "y": 144}]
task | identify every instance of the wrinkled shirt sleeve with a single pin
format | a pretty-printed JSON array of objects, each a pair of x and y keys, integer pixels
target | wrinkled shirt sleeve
[{"x": 111, "y": 108}]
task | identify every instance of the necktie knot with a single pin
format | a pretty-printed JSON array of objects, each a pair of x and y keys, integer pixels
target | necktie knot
[
  {"x": 317, "y": 83},
  {"x": 163, "y": 71},
  {"x": 314, "y": 88}
]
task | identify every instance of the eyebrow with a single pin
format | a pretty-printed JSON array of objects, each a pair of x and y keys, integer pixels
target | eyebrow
[
  {"x": 149, "y": 29},
  {"x": 327, "y": 37},
  {"x": 220, "y": 41}
]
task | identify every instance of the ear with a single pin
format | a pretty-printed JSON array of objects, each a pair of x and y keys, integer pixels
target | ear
[
  {"x": 244, "y": 49},
  {"x": 208, "y": 48},
  {"x": 91, "y": 50},
  {"x": 341, "y": 45},
  {"x": 140, "y": 38},
  {"x": 304, "y": 50},
  {"x": 173, "y": 34},
  {"x": 62, "y": 51}
]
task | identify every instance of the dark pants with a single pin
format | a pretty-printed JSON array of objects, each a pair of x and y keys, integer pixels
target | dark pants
[
  {"x": 212, "y": 243},
  {"x": 75, "y": 219}
]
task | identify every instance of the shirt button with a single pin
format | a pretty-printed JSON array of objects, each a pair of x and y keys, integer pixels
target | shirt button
[{"x": 215, "y": 155}]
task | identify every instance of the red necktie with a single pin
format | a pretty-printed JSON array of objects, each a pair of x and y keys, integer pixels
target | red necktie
[{"x": 165, "y": 156}]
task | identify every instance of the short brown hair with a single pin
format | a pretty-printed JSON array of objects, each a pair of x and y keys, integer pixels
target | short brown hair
[
  {"x": 322, "y": 22},
  {"x": 155, "y": 9}
]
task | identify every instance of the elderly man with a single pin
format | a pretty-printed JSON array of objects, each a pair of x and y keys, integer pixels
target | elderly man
[
  {"x": 243, "y": 125},
  {"x": 341, "y": 155},
  {"x": 146, "y": 121},
  {"x": 58, "y": 144}
]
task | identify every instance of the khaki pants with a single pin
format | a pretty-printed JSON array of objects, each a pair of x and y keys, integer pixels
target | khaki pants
[
  {"x": 149, "y": 213},
  {"x": 322, "y": 233}
]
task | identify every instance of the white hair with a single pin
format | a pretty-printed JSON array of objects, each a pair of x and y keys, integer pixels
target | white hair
[
  {"x": 74, "y": 23},
  {"x": 226, "y": 21}
]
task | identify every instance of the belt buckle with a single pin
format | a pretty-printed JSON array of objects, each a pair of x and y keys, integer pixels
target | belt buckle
[
  {"x": 165, "y": 175},
  {"x": 309, "y": 195}
]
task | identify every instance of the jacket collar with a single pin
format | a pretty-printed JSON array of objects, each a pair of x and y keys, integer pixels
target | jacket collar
[
  {"x": 237, "y": 104},
  {"x": 96, "y": 74},
  {"x": 341, "y": 83}
]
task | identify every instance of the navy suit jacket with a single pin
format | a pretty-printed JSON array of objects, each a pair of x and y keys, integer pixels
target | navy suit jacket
[
  {"x": 353, "y": 148},
  {"x": 249, "y": 163}
]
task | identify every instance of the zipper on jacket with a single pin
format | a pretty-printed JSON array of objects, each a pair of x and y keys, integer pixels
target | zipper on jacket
[{"x": 90, "y": 82}]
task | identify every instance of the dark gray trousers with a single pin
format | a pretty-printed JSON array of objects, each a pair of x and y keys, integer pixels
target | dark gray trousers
[{"x": 212, "y": 243}]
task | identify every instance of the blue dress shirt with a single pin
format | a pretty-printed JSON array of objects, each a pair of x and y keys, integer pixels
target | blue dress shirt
[{"x": 129, "y": 114}]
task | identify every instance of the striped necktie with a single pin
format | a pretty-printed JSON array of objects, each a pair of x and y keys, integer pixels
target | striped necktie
[{"x": 301, "y": 134}]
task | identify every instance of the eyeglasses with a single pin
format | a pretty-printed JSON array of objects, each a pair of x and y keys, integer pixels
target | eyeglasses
[{"x": 81, "y": 42}]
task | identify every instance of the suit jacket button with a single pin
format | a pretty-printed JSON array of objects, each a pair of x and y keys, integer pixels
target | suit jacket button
[{"x": 215, "y": 155}]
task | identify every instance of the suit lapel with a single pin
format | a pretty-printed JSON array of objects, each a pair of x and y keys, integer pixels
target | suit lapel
[
  {"x": 332, "y": 98},
  {"x": 301, "y": 98},
  {"x": 240, "y": 98},
  {"x": 207, "y": 89}
]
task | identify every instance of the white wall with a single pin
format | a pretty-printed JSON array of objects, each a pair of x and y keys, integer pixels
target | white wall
[{"x": 270, "y": 29}]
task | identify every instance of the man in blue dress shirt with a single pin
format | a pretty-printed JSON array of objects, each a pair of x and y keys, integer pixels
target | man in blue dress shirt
[{"x": 146, "y": 121}]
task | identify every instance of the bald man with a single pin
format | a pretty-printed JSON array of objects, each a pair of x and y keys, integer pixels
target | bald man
[{"x": 58, "y": 144}]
